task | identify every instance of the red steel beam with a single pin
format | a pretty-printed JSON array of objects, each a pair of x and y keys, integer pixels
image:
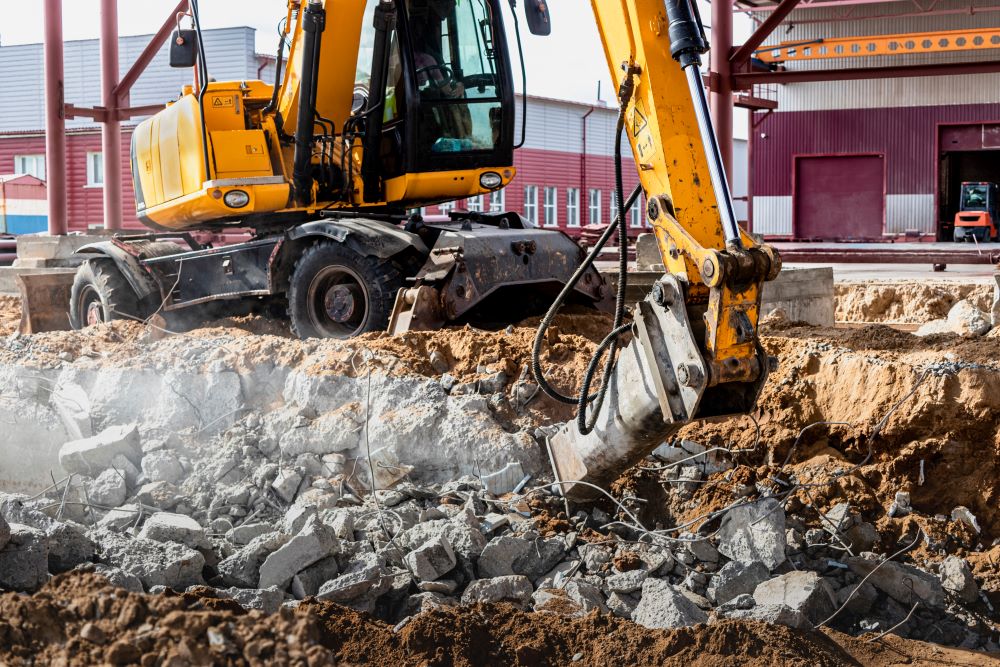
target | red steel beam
[
  {"x": 720, "y": 93},
  {"x": 743, "y": 54},
  {"x": 121, "y": 90},
  {"x": 745, "y": 80},
  {"x": 111, "y": 132},
  {"x": 55, "y": 120}
]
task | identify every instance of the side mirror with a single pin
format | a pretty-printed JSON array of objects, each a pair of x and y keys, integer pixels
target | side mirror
[
  {"x": 537, "y": 14},
  {"x": 184, "y": 48}
]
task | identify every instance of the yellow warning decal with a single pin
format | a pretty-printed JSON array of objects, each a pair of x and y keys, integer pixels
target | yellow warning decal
[{"x": 222, "y": 102}]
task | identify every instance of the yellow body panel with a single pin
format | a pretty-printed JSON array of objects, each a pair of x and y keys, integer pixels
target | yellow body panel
[
  {"x": 431, "y": 187},
  {"x": 240, "y": 154},
  {"x": 207, "y": 204}
]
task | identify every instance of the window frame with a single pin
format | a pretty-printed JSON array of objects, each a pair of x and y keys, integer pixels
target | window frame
[
  {"x": 531, "y": 201},
  {"x": 594, "y": 206},
  {"x": 573, "y": 207},
  {"x": 95, "y": 163},
  {"x": 36, "y": 160},
  {"x": 550, "y": 210},
  {"x": 498, "y": 197}
]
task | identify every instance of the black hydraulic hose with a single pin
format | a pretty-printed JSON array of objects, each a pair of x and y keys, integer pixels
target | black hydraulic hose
[
  {"x": 588, "y": 262},
  {"x": 278, "y": 63},
  {"x": 583, "y": 425}
]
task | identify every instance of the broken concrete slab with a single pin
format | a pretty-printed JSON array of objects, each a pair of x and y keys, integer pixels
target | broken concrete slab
[
  {"x": 773, "y": 615},
  {"x": 432, "y": 560},
  {"x": 242, "y": 569},
  {"x": 314, "y": 542},
  {"x": 24, "y": 560},
  {"x": 92, "y": 455},
  {"x": 663, "y": 606},
  {"x": 734, "y": 579},
  {"x": 108, "y": 489},
  {"x": 154, "y": 563},
  {"x": 513, "y": 588},
  {"x": 69, "y": 546},
  {"x": 956, "y": 578},
  {"x": 753, "y": 533},
  {"x": 162, "y": 466},
  {"x": 268, "y": 600},
  {"x": 170, "y": 527},
  {"x": 804, "y": 592},
  {"x": 308, "y": 581},
  {"x": 370, "y": 580},
  {"x": 903, "y": 583},
  {"x": 4, "y": 532}
]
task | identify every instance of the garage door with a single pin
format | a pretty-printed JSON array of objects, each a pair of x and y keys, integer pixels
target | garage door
[{"x": 839, "y": 197}]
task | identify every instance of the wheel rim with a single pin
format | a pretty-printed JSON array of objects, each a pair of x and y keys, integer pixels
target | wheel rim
[
  {"x": 337, "y": 302},
  {"x": 90, "y": 306}
]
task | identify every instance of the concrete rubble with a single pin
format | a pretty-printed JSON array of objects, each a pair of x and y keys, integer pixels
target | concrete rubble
[{"x": 269, "y": 505}]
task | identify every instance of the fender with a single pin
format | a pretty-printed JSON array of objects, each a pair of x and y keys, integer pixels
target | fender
[
  {"x": 368, "y": 237},
  {"x": 129, "y": 265}
]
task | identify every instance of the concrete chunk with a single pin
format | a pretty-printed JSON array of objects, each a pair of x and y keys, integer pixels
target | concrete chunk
[
  {"x": 268, "y": 600},
  {"x": 108, "y": 489},
  {"x": 370, "y": 580},
  {"x": 663, "y": 606},
  {"x": 774, "y": 614},
  {"x": 162, "y": 466},
  {"x": 169, "y": 527},
  {"x": 956, "y": 578},
  {"x": 754, "y": 533},
  {"x": 314, "y": 542},
  {"x": 805, "y": 592},
  {"x": 91, "y": 455},
  {"x": 432, "y": 560},
  {"x": 4, "y": 532},
  {"x": 24, "y": 561},
  {"x": 734, "y": 579},
  {"x": 513, "y": 588},
  {"x": 154, "y": 563},
  {"x": 242, "y": 569},
  {"x": 626, "y": 582},
  {"x": 903, "y": 583}
]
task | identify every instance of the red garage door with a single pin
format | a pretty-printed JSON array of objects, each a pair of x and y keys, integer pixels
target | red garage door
[{"x": 839, "y": 197}]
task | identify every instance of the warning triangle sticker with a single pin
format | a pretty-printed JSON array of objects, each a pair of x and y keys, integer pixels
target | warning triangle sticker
[
  {"x": 638, "y": 121},
  {"x": 217, "y": 102}
]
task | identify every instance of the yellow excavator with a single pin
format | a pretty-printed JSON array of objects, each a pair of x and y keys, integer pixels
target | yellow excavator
[{"x": 381, "y": 107}]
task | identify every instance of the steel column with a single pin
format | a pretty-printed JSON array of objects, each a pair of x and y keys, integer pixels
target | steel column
[
  {"x": 721, "y": 89},
  {"x": 55, "y": 121},
  {"x": 111, "y": 132}
]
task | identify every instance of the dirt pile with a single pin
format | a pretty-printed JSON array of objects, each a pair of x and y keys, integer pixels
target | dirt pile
[
  {"x": 906, "y": 302},
  {"x": 81, "y": 619}
]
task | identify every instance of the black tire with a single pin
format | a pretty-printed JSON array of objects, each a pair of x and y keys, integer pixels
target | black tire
[
  {"x": 338, "y": 293},
  {"x": 101, "y": 294}
]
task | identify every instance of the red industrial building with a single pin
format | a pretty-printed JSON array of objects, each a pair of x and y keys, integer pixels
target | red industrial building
[{"x": 873, "y": 116}]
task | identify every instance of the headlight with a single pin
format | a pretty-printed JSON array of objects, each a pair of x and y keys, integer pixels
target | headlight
[
  {"x": 236, "y": 199},
  {"x": 490, "y": 180}
]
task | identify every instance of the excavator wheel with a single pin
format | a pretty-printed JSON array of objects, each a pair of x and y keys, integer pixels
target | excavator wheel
[
  {"x": 338, "y": 293},
  {"x": 100, "y": 293}
]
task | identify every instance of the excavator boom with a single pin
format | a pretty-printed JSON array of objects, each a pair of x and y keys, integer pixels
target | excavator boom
[{"x": 694, "y": 351}]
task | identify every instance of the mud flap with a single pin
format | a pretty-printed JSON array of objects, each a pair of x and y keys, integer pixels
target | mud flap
[{"x": 45, "y": 301}]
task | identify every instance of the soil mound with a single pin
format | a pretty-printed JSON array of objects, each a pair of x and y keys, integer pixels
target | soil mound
[
  {"x": 906, "y": 303},
  {"x": 79, "y": 618}
]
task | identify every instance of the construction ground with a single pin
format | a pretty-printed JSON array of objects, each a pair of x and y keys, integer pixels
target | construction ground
[{"x": 206, "y": 497}]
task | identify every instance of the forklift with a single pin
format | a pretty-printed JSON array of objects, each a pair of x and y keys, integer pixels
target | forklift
[{"x": 976, "y": 219}]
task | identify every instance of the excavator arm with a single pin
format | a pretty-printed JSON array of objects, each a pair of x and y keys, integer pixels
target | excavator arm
[{"x": 694, "y": 351}]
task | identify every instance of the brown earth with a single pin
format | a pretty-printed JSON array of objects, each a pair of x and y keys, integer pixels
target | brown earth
[
  {"x": 906, "y": 302},
  {"x": 10, "y": 314},
  {"x": 79, "y": 619}
]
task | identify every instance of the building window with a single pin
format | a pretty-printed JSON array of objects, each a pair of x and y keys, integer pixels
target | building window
[
  {"x": 32, "y": 165},
  {"x": 496, "y": 201},
  {"x": 636, "y": 213},
  {"x": 595, "y": 208},
  {"x": 551, "y": 216},
  {"x": 475, "y": 204},
  {"x": 531, "y": 204},
  {"x": 446, "y": 207},
  {"x": 573, "y": 207},
  {"x": 614, "y": 207},
  {"x": 95, "y": 170}
]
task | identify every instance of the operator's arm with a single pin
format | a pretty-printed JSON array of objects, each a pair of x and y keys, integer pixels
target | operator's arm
[{"x": 695, "y": 351}]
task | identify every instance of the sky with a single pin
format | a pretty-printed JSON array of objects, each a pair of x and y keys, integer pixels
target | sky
[{"x": 568, "y": 64}]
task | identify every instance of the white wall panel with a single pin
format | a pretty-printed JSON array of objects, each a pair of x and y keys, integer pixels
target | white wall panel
[
  {"x": 772, "y": 216},
  {"x": 905, "y": 213}
]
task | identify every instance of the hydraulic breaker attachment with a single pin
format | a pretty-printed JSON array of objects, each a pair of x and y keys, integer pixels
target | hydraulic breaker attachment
[
  {"x": 45, "y": 301},
  {"x": 660, "y": 383}
]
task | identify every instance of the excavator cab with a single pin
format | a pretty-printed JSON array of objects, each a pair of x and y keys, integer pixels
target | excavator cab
[{"x": 976, "y": 219}]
